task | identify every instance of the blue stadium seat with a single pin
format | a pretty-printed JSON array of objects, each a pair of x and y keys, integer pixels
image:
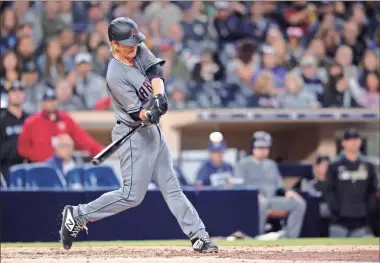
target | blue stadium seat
[
  {"x": 74, "y": 178},
  {"x": 17, "y": 175},
  {"x": 100, "y": 176},
  {"x": 44, "y": 176}
]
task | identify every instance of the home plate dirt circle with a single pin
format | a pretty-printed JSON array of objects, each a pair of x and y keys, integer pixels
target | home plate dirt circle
[{"x": 246, "y": 254}]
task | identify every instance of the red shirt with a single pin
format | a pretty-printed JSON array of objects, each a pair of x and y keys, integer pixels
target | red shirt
[{"x": 35, "y": 141}]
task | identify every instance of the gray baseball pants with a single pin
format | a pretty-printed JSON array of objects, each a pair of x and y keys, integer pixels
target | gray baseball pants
[
  {"x": 143, "y": 157},
  {"x": 295, "y": 207}
]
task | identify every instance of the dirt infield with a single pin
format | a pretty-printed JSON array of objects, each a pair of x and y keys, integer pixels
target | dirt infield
[{"x": 125, "y": 254}]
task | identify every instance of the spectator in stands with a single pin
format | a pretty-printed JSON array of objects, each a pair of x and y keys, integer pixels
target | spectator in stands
[
  {"x": 350, "y": 39},
  {"x": 67, "y": 100},
  {"x": 344, "y": 58},
  {"x": 269, "y": 62},
  {"x": 93, "y": 42},
  {"x": 62, "y": 160},
  {"x": 195, "y": 25},
  {"x": 35, "y": 140},
  {"x": 167, "y": 14},
  {"x": 338, "y": 94},
  {"x": 331, "y": 39},
  {"x": 69, "y": 47},
  {"x": 256, "y": 24},
  {"x": 318, "y": 49},
  {"x": 351, "y": 189},
  {"x": 65, "y": 13},
  {"x": 369, "y": 96},
  {"x": 177, "y": 92},
  {"x": 90, "y": 87},
  {"x": 33, "y": 88},
  {"x": 309, "y": 73},
  {"x": 282, "y": 57},
  {"x": 102, "y": 57},
  {"x": 301, "y": 14},
  {"x": 52, "y": 64},
  {"x": 317, "y": 186},
  {"x": 95, "y": 14},
  {"x": 28, "y": 15},
  {"x": 273, "y": 35},
  {"x": 11, "y": 123},
  {"x": 295, "y": 96},
  {"x": 295, "y": 49},
  {"x": 9, "y": 62},
  {"x": 52, "y": 24},
  {"x": 263, "y": 91},
  {"x": 240, "y": 70},
  {"x": 8, "y": 27},
  {"x": 215, "y": 172},
  {"x": 129, "y": 9},
  {"x": 260, "y": 172},
  {"x": 26, "y": 51},
  {"x": 370, "y": 63},
  {"x": 102, "y": 28},
  {"x": 209, "y": 68},
  {"x": 227, "y": 23},
  {"x": 174, "y": 66}
]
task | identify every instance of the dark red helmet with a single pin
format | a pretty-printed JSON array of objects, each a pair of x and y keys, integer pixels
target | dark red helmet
[{"x": 125, "y": 31}]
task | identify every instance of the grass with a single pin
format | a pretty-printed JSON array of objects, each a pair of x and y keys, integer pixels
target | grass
[{"x": 247, "y": 242}]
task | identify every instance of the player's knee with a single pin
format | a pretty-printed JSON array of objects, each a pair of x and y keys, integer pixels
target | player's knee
[{"x": 131, "y": 198}]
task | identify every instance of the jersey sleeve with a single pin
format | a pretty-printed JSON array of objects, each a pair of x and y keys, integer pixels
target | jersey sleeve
[
  {"x": 124, "y": 94},
  {"x": 146, "y": 57}
]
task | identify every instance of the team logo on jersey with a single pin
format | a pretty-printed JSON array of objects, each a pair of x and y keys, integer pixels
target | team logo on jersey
[
  {"x": 133, "y": 32},
  {"x": 145, "y": 91}
]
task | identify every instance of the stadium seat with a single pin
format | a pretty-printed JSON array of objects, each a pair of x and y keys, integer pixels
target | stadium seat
[
  {"x": 43, "y": 176},
  {"x": 74, "y": 178},
  {"x": 17, "y": 175},
  {"x": 100, "y": 176}
]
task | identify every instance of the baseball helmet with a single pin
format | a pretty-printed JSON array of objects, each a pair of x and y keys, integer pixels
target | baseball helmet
[{"x": 125, "y": 31}]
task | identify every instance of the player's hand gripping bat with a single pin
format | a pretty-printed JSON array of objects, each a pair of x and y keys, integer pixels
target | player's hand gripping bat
[{"x": 114, "y": 146}]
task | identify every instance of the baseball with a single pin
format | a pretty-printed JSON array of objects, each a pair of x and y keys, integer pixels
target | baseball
[{"x": 216, "y": 137}]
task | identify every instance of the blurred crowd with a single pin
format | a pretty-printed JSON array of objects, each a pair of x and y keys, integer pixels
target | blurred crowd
[{"x": 296, "y": 54}]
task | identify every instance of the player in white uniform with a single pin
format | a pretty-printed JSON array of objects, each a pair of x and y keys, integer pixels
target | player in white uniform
[{"x": 136, "y": 87}]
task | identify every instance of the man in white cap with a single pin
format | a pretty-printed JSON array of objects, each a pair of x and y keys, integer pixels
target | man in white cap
[{"x": 259, "y": 171}]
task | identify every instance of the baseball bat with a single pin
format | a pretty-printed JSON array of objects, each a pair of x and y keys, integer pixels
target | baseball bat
[{"x": 114, "y": 146}]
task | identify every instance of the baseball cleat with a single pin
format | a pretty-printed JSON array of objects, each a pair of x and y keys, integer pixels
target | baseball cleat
[
  {"x": 69, "y": 228},
  {"x": 204, "y": 245}
]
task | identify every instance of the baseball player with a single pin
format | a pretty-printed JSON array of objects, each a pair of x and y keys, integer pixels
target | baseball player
[{"x": 136, "y": 88}]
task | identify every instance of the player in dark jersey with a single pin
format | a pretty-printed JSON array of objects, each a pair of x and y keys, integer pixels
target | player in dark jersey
[{"x": 135, "y": 85}]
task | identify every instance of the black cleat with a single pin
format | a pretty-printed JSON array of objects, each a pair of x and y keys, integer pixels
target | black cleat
[
  {"x": 204, "y": 245},
  {"x": 69, "y": 228}
]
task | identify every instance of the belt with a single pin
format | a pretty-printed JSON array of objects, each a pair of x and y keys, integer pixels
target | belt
[{"x": 120, "y": 122}]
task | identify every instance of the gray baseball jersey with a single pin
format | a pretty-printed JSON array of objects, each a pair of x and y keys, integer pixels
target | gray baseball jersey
[
  {"x": 129, "y": 87},
  {"x": 145, "y": 156}
]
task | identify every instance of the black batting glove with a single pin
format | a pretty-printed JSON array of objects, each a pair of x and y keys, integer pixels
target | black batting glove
[
  {"x": 153, "y": 115},
  {"x": 160, "y": 103}
]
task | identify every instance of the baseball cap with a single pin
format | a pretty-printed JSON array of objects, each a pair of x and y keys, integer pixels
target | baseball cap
[
  {"x": 321, "y": 158},
  {"x": 14, "y": 85},
  {"x": 49, "y": 94},
  {"x": 261, "y": 139},
  {"x": 351, "y": 134},
  {"x": 216, "y": 142},
  {"x": 83, "y": 57}
]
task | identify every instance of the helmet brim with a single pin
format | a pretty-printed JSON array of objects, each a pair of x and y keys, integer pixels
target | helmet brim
[{"x": 135, "y": 40}]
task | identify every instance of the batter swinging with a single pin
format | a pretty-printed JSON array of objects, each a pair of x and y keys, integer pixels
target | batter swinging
[{"x": 136, "y": 88}]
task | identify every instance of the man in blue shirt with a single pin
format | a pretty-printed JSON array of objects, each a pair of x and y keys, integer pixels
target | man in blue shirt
[{"x": 215, "y": 171}]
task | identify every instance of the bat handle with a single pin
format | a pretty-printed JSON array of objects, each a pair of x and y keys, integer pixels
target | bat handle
[{"x": 95, "y": 161}]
